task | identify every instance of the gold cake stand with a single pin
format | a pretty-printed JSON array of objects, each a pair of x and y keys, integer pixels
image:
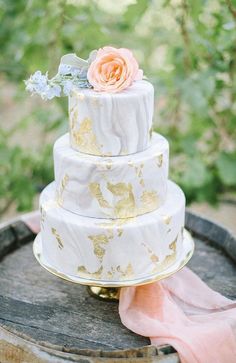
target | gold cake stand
[{"x": 109, "y": 290}]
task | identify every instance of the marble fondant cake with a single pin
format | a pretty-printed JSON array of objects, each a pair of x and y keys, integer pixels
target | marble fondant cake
[{"x": 111, "y": 214}]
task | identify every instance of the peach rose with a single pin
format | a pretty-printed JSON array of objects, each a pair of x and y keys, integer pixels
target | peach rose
[{"x": 113, "y": 70}]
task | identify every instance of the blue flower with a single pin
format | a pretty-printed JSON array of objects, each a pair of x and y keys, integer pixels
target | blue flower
[{"x": 52, "y": 91}]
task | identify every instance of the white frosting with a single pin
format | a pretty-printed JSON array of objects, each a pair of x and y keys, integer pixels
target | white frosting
[
  {"x": 115, "y": 187},
  {"x": 111, "y": 124},
  {"x": 112, "y": 250}
]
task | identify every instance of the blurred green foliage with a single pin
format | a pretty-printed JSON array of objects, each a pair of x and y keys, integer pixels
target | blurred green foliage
[{"x": 187, "y": 48}]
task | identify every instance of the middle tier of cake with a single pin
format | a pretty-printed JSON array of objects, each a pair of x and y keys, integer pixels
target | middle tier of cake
[{"x": 114, "y": 187}]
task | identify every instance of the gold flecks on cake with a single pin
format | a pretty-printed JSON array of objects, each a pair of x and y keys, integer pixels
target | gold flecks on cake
[
  {"x": 98, "y": 241},
  {"x": 85, "y": 273},
  {"x": 167, "y": 219},
  {"x": 59, "y": 194},
  {"x": 120, "y": 231},
  {"x": 169, "y": 259},
  {"x": 85, "y": 138},
  {"x": 159, "y": 159},
  {"x": 140, "y": 173},
  {"x": 124, "y": 152},
  {"x": 72, "y": 109},
  {"x": 58, "y": 238},
  {"x": 141, "y": 182},
  {"x": 73, "y": 117},
  {"x": 127, "y": 273},
  {"x": 149, "y": 200},
  {"x": 109, "y": 164},
  {"x": 126, "y": 205},
  {"x": 172, "y": 246},
  {"x": 96, "y": 192},
  {"x": 153, "y": 257},
  {"x": 110, "y": 234},
  {"x": 131, "y": 163},
  {"x": 104, "y": 165}
]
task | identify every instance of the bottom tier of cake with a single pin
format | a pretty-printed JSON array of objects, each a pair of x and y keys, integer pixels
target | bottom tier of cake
[{"x": 112, "y": 250}]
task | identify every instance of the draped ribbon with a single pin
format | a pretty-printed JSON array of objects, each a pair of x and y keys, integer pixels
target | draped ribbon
[
  {"x": 184, "y": 312},
  {"x": 181, "y": 311}
]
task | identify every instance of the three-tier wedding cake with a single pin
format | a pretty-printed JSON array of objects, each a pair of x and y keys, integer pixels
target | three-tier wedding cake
[{"x": 111, "y": 214}]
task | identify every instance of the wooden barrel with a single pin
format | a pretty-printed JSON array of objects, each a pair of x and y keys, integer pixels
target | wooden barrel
[{"x": 45, "y": 319}]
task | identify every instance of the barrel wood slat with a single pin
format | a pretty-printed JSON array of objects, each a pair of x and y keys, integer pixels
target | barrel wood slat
[{"x": 45, "y": 319}]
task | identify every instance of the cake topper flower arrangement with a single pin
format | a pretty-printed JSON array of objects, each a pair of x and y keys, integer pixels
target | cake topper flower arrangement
[{"x": 106, "y": 70}]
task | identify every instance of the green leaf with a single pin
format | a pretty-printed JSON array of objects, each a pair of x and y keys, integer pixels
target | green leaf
[
  {"x": 195, "y": 174},
  {"x": 134, "y": 12},
  {"x": 226, "y": 166}
]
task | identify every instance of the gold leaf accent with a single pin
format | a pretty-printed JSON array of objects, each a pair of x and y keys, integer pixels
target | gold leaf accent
[
  {"x": 125, "y": 206},
  {"x": 126, "y": 273},
  {"x": 159, "y": 160},
  {"x": 169, "y": 258},
  {"x": 73, "y": 119},
  {"x": 131, "y": 163},
  {"x": 63, "y": 184},
  {"x": 109, "y": 164},
  {"x": 167, "y": 219},
  {"x": 153, "y": 257},
  {"x": 58, "y": 238},
  {"x": 99, "y": 240},
  {"x": 96, "y": 192},
  {"x": 140, "y": 173},
  {"x": 142, "y": 183},
  {"x": 149, "y": 200},
  {"x": 172, "y": 246},
  {"x": 85, "y": 138},
  {"x": 120, "y": 231},
  {"x": 110, "y": 234},
  {"x": 168, "y": 261},
  {"x": 84, "y": 272}
]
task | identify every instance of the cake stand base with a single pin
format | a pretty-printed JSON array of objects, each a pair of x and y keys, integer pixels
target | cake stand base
[{"x": 104, "y": 293}]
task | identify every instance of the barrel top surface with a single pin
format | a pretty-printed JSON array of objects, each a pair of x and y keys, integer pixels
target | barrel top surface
[{"x": 47, "y": 310}]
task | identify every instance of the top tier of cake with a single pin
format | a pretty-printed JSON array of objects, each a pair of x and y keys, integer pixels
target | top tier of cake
[{"x": 111, "y": 124}]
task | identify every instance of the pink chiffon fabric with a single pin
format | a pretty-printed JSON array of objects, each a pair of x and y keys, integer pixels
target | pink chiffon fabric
[
  {"x": 184, "y": 312},
  {"x": 181, "y": 311}
]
